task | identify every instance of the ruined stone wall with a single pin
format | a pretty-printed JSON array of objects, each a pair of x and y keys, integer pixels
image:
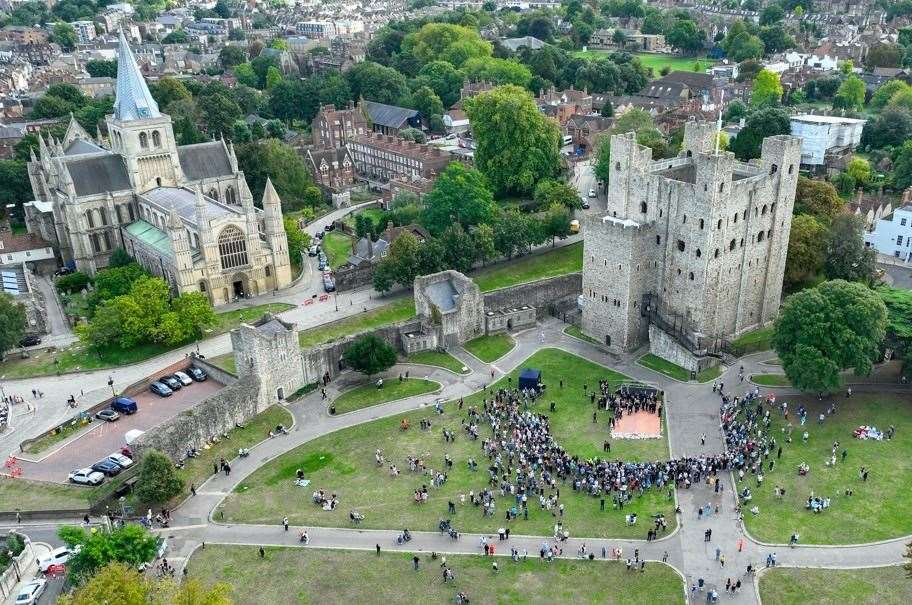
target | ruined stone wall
[{"x": 539, "y": 294}]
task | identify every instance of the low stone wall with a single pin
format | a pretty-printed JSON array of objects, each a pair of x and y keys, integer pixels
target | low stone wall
[
  {"x": 348, "y": 277},
  {"x": 542, "y": 294},
  {"x": 10, "y": 577},
  {"x": 664, "y": 346},
  {"x": 215, "y": 415},
  {"x": 219, "y": 374}
]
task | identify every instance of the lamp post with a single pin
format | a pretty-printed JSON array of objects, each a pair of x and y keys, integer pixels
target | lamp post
[{"x": 111, "y": 384}]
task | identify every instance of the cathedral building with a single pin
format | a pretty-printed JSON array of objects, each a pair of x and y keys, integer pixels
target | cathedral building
[{"x": 184, "y": 213}]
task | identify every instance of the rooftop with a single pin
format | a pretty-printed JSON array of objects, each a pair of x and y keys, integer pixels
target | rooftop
[
  {"x": 150, "y": 235},
  {"x": 812, "y": 119},
  {"x": 184, "y": 202}
]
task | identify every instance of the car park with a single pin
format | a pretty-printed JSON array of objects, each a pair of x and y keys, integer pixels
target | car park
[
  {"x": 86, "y": 476},
  {"x": 184, "y": 379},
  {"x": 160, "y": 389},
  {"x": 121, "y": 460},
  {"x": 125, "y": 405},
  {"x": 173, "y": 383},
  {"x": 197, "y": 374},
  {"x": 107, "y": 414},
  {"x": 30, "y": 341},
  {"x": 31, "y": 592},
  {"x": 108, "y": 467},
  {"x": 58, "y": 556}
]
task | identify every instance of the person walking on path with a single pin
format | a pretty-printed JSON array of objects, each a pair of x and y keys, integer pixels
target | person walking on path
[{"x": 285, "y": 523}]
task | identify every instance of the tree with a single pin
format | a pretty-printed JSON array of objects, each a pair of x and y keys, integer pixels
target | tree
[
  {"x": 65, "y": 35},
  {"x": 772, "y": 14},
  {"x": 884, "y": 55},
  {"x": 817, "y": 199},
  {"x": 882, "y": 95},
  {"x": 556, "y": 222},
  {"x": 444, "y": 79},
  {"x": 119, "y": 258},
  {"x": 549, "y": 192},
  {"x": 12, "y": 323},
  {"x": 516, "y": 145},
  {"x": 483, "y": 239},
  {"x": 735, "y": 111},
  {"x": 72, "y": 283},
  {"x": 619, "y": 38},
  {"x": 219, "y": 113},
  {"x": 99, "y": 68},
  {"x": 457, "y": 247},
  {"x": 194, "y": 314},
  {"x": 805, "y": 251},
  {"x": 158, "y": 481},
  {"x": 460, "y": 195},
  {"x": 497, "y": 71},
  {"x": 230, "y": 56},
  {"x": 122, "y": 584},
  {"x": 298, "y": 240},
  {"x": 16, "y": 187},
  {"x": 767, "y": 89},
  {"x": 168, "y": 90},
  {"x": 860, "y": 170},
  {"x": 824, "y": 330},
  {"x": 413, "y": 134},
  {"x": 686, "y": 36},
  {"x": 130, "y": 544},
  {"x": 775, "y": 39},
  {"x": 890, "y": 129},
  {"x": 846, "y": 255},
  {"x": 427, "y": 102},
  {"x": 273, "y": 77},
  {"x": 851, "y": 94},
  {"x": 902, "y": 167},
  {"x": 762, "y": 123},
  {"x": 745, "y": 46},
  {"x": 118, "y": 280},
  {"x": 370, "y": 354},
  {"x": 275, "y": 159},
  {"x": 377, "y": 83},
  {"x": 178, "y": 36},
  {"x": 445, "y": 42}
]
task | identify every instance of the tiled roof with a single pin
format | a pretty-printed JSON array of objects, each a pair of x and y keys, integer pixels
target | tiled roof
[
  {"x": 204, "y": 160},
  {"x": 98, "y": 174},
  {"x": 388, "y": 115},
  {"x": 184, "y": 202}
]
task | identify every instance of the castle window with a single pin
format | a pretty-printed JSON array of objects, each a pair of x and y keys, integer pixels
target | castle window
[
  {"x": 731, "y": 245},
  {"x": 104, "y": 216},
  {"x": 94, "y": 239},
  {"x": 107, "y": 240},
  {"x": 699, "y": 253},
  {"x": 213, "y": 193},
  {"x": 773, "y": 207},
  {"x": 202, "y": 286},
  {"x": 679, "y": 272},
  {"x": 658, "y": 240},
  {"x": 719, "y": 224},
  {"x": 617, "y": 165},
  {"x": 607, "y": 341},
  {"x": 156, "y": 138},
  {"x": 760, "y": 237},
  {"x": 689, "y": 153},
  {"x": 130, "y": 211},
  {"x": 680, "y": 245},
  {"x": 705, "y": 188},
  {"x": 721, "y": 187},
  {"x": 230, "y": 195},
  {"x": 716, "y": 254},
  {"x": 90, "y": 218},
  {"x": 742, "y": 242},
  {"x": 685, "y": 219},
  {"x": 643, "y": 207},
  {"x": 158, "y": 181},
  {"x": 769, "y": 234},
  {"x": 701, "y": 223},
  {"x": 232, "y": 248},
  {"x": 773, "y": 169},
  {"x": 763, "y": 210},
  {"x": 791, "y": 168},
  {"x": 735, "y": 218},
  {"x": 691, "y": 276},
  {"x": 660, "y": 213},
  {"x": 143, "y": 140},
  {"x": 744, "y": 215}
]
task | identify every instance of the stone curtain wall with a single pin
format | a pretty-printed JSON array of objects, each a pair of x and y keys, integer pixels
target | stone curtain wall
[
  {"x": 539, "y": 294},
  {"x": 663, "y": 345}
]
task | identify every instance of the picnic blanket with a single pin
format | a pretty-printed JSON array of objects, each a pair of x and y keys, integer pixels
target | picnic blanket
[
  {"x": 868, "y": 432},
  {"x": 302, "y": 482}
]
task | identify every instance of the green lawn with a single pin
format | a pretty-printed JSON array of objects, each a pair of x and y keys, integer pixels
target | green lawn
[
  {"x": 67, "y": 430},
  {"x": 440, "y": 359},
  {"x": 752, "y": 342},
  {"x": 576, "y": 332},
  {"x": 78, "y": 357},
  {"x": 224, "y": 361},
  {"x": 347, "y": 576},
  {"x": 343, "y": 463},
  {"x": 709, "y": 374},
  {"x": 399, "y": 310},
  {"x": 25, "y": 495},
  {"x": 374, "y": 214},
  {"x": 559, "y": 261},
  {"x": 490, "y": 348},
  {"x": 338, "y": 247},
  {"x": 368, "y": 394},
  {"x": 771, "y": 380},
  {"x": 874, "y": 586},
  {"x": 656, "y": 61},
  {"x": 663, "y": 366},
  {"x": 878, "y": 508}
]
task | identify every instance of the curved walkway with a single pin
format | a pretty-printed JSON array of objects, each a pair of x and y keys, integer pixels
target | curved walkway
[{"x": 692, "y": 410}]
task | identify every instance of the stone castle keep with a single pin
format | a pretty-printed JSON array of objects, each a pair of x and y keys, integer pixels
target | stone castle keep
[{"x": 692, "y": 249}]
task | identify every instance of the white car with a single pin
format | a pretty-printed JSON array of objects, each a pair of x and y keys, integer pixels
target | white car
[
  {"x": 185, "y": 380},
  {"x": 86, "y": 476},
  {"x": 592, "y": 193},
  {"x": 31, "y": 592},
  {"x": 58, "y": 556},
  {"x": 121, "y": 460}
]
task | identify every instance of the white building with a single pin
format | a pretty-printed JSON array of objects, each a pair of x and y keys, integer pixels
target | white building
[
  {"x": 85, "y": 31},
  {"x": 316, "y": 29},
  {"x": 893, "y": 235},
  {"x": 821, "y": 135}
]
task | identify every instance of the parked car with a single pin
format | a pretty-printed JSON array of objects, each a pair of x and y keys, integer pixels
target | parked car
[
  {"x": 108, "y": 467},
  {"x": 197, "y": 373},
  {"x": 591, "y": 192},
  {"x": 322, "y": 264},
  {"x": 184, "y": 379},
  {"x": 320, "y": 235},
  {"x": 125, "y": 405},
  {"x": 313, "y": 250},
  {"x": 58, "y": 556},
  {"x": 30, "y": 341},
  {"x": 64, "y": 271},
  {"x": 330, "y": 227},
  {"x": 121, "y": 460},
  {"x": 160, "y": 389},
  {"x": 586, "y": 205},
  {"x": 173, "y": 383},
  {"x": 31, "y": 592},
  {"x": 328, "y": 284},
  {"x": 86, "y": 476},
  {"x": 107, "y": 414}
]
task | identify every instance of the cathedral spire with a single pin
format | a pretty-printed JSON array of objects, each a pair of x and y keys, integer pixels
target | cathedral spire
[
  {"x": 133, "y": 100},
  {"x": 174, "y": 221},
  {"x": 271, "y": 199}
]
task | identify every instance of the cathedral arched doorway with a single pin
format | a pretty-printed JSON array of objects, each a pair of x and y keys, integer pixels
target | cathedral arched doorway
[{"x": 240, "y": 285}]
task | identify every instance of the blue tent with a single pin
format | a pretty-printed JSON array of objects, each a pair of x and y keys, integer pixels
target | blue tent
[{"x": 529, "y": 378}]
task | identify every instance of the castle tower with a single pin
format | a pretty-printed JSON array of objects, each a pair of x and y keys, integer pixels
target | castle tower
[
  {"x": 627, "y": 180},
  {"x": 138, "y": 131},
  {"x": 275, "y": 235}
]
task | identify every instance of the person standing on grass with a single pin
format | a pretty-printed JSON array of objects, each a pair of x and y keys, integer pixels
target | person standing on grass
[{"x": 285, "y": 523}]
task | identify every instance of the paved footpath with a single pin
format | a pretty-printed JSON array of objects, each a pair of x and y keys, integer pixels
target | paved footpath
[{"x": 692, "y": 410}]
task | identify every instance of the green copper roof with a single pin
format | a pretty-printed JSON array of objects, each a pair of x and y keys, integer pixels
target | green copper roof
[{"x": 151, "y": 236}]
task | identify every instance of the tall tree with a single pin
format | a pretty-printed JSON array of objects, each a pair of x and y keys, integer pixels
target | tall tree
[
  {"x": 686, "y": 36},
  {"x": 131, "y": 544},
  {"x": 851, "y": 94},
  {"x": 847, "y": 257},
  {"x": 377, "y": 83},
  {"x": 443, "y": 79},
  {"x": 445, "y": 42},
  {"x": 818, "y": 199},
  {"x": 806, "y": 246},
  {"x": 516, "y": 145},
  {"x": 767, "y": 89},
  {"x": 158, "y": 481},
  {"x": 370, "y": 354},
  {"x": 275, "y": 159},
  {"x": 12, "y": 323},
  {"x": 824, "y": 330},
  {"x": 460, "y": 195},
  {"x": 761, "y": 124}
]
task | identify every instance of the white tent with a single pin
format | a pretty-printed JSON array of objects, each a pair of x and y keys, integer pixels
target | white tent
[{"x": 132, "y": 436}]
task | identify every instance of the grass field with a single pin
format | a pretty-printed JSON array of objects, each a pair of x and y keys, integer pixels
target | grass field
[
  {"x": 874, "y": 586},
  {"x": 77, "y": 357},
  {"x": 490, "y": 348},
  {"x": 343, "y": 463},
  {"x": 374, "y": 214},
  {"x": 752, "y": 342},
  {"x": 399, "y": 310},
  {"x": 656, "y": 62},
  {"x": 558, "y": 261},
  {"x": 709, "y": 374},
  {"x": 663, "y": 366},
  {"x": 575, "y": 332},
  {"x": 342, "y": 577},
  {"x": 877, "y": 509},
  {"x": 224, "y": 361},
  {"x": 24, "y": 495},
  {"x": 440, "y": 359},
  {"x": 771, "y": 380},
  {"x": 338, "y": 247},
  {"x": 368, "y": 394}
]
